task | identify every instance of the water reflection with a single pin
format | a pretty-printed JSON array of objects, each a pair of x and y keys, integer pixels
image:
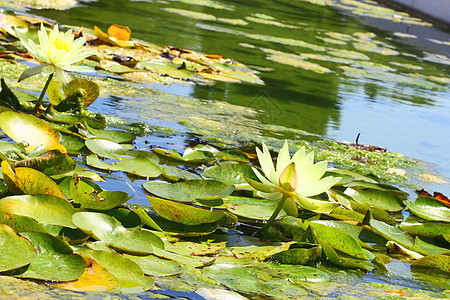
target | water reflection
[{"x": 392, "y": 93}]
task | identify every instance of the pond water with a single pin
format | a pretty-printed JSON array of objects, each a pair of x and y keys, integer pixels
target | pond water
[{"x": 326, "y": 70}]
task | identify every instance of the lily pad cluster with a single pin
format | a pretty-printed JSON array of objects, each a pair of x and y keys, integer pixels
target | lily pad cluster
[
  {"x": 116, "y": 52},
  {"x": 81, "y": 237}
]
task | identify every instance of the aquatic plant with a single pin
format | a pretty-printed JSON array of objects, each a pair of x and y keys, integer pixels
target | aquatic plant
[{"x": 57, "y": 52}]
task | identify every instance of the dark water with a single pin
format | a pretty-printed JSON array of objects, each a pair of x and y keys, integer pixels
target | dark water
[{"x": 379, "y": 81}]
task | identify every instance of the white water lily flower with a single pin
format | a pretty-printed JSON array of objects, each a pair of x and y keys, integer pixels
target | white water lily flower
[
  {"x": 297, "y": 177},
  {"x": 57, "y": 51}
]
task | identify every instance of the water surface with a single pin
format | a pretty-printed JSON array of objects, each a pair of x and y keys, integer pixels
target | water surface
[{"x": 326, "y": 70}]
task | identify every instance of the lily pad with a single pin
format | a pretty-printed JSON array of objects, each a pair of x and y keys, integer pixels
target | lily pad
[
  {"x": 106, "y": 148},
  {"x": 252, "y": 208},
  {"x": 231, "y": 174},
  {"x": 16, "y": 251},
  {"x": 35, "y": 182},
  {"x": 140, "y": 166},
  {"x": 50, "y": 163},
  {"x": 117, "y": 136},
  {"x": 45, "y": 209},
  {"x": 438, "y": 262},
  {"x": 430, "y": 209},
  {"x": 29, "y": 130},
  {"x": 154, "y": 266},
  {"x": 108, "y": 229},
  {"x": 130, "y": 277},
  {"x": 189, "y": 191},
  {"x": 429, "y": 229},
  {"x": 383, "y": 200},
  {"x": 21, "y": 223},
  {"x": 89, "y": 197},
  {"x": 55, "y": 259},
  {"x": 184, "y": 214}
]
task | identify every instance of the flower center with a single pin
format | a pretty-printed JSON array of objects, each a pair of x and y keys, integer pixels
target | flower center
[{"x": 61, "y": 44}]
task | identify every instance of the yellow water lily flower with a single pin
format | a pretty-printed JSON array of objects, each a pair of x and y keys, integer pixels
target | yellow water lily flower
[
  {"x": 296, "y": 178},
  {"x": 58, "y": 52}
]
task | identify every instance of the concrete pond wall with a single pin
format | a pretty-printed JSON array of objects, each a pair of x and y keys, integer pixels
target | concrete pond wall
[{"x": 436, "y": 9}]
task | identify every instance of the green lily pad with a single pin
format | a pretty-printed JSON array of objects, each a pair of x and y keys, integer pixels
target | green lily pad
[
  {"x": 438, "y": 262},
  {"x": 252, "y": 208},
  {"x": 154, "y": 266},
  {"x": 299, "y": 254},
  {"x": 145, "y": 218},
  {"x": 231, "y": 174},
  {"x": 184, "y": 214},
  {"x": 117, "y": 136},
  {"x": 189, "y": 191},
  {"x": 175, "y": 174},
  {"x": 383, "y": 200},
  {"x": 430, "y": 209},
  {"x": 108, "y": 229},
  {"x": 429, "y": 229},
  {"x": 140, "y": 166},
  {"x": 339, "y": 240},
  {"x": 21, "y": 223},
  {"x": 91, "y": 89},
  {"x": 45, "y": 209},
  {"x": 172, "y": 157},
  {"x": 55, "y": 259},
  {"x": 89, "y": 197},
  {"x": 16, "y": 251},
  {"x": 106, "y": 148},
  {"x": 50, "y": 163},
  {"x": 232, "y": 155},
  {"x": 130, "y": 277}
]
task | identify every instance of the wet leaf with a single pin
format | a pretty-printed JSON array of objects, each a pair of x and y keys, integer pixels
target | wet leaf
[
  {"x": 429, "y": 229},
  {"x": 45, "y": 209},
  {"x": 260, "y": 252},
  {"x": 29, "y": 130},
  {"x": 430, "y": 209},
  {"x": 16, "y": 251},
  {"x": 130, "y": 276},
  {"x": 146, "y": 219},
  {"x": 189, "y": 191},
  {"x": 55, "y": 259},
  {"x": 54, "y": 93},
  {"x": 117, "y": 136},
  {"x": 182, "y": 213},
  {"x": 119, "y": 32},
  {"x": 299, "y": 254},
  {"x": 108, "y": 229}
]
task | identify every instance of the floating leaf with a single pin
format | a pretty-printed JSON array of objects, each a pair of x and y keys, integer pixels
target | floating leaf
[
  {"x": 130, "y": 276},
  {"x": 16, "y": 251},
  {"x": 430, "y": 229},
  {"x": 189, "y": 191},
  {"x": 182, "y": 213},
  {"x": 29, "y": 130},
  {"x": 21, "y": 223},
  {"x": 117, "y": 136},
  {"x": 50, "y": 163},
  {"x": 430, "y": 209},
  {"x": 438, "y": 261},
  {"x": 119, "y": 32},
  {"x": 43, "y": 208},
  {"x": 34, "y": 182},
  {"x": 299, "y": 254},
  {"x": 140, "y": 166},
  {"x": 155, "y": 266},
  {"x": 383, "y": 200},
  {"x": 230, "y": 174},
  {"x": 89, "y": 197},
  {"x": 106, "y": 148},
  {"x": 55, "y": 259},
  {"x": 108, "y": 229},
  {"x": 257, "y": 209},
  {"x": 94, "y": 279}
]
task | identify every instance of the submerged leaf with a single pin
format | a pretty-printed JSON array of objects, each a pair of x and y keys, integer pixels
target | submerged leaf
[{"x": 16, "y": 251}]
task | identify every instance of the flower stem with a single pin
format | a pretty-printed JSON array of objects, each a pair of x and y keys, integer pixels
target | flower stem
[
  {"x": 275, "y": 213},
  {"x": 41, "y": 97}
]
